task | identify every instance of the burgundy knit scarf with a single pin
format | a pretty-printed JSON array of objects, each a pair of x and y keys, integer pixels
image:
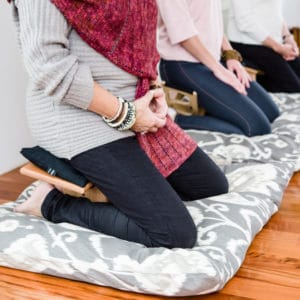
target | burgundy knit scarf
[
  {"x": 121, "y": 30},
  {"x": 124, "y": 31}
]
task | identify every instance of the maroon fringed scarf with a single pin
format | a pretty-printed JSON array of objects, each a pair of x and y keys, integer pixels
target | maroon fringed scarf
[{"x": 124, "y": 31}]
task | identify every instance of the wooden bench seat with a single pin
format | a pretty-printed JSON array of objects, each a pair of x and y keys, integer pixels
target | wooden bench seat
[
  {"x": 184, "y": 103},
  {"x": 253, "y": 72},
  {"x": 88, "y": 191}
]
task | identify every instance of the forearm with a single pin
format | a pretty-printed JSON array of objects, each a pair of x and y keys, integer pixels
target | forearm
[
  {"x": 288, "y": 50},
  {"x": 225, "y": 44},
  {"x": 271, "y": 43},
  {"x": 103, "y": 102},
  {"x": 196, "y": 48},
  {"x": 288, "y": 38}
]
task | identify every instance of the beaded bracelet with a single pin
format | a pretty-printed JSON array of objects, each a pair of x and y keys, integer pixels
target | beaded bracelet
[
  {"x": 232, "y": 54},
  {"x": 130, "y": 118},
  {"x": 126, "y": 118}
]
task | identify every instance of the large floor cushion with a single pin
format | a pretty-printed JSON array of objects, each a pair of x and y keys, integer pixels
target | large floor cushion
[{"x": 258, "y": 170}]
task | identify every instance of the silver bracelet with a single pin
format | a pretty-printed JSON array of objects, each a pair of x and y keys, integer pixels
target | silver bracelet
[
  {"x": 118, "y": 113},
  {"x": 122, "y": 117},
  {"x": 130, "y": 118},
  {"x": 125, "y": 117}
]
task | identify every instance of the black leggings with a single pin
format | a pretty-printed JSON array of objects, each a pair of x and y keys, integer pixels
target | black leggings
[
  {"x": 279, "y": 75},
  {"x": 144, "y": 206}
]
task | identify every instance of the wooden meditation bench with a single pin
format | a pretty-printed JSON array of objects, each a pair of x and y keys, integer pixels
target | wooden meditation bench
[
  {"x": 253, "y": 72},
  {"x": 88, "y": 191},
  {"x": 184, "y": 103}
]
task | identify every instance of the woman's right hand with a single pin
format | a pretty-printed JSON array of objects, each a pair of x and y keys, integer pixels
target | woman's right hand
[
  {"x": 229, "y": 78},
  {"x": 287, "y": 52},
  {"x": 148, "y": 120},
  {"x": 289, "y": 40}
]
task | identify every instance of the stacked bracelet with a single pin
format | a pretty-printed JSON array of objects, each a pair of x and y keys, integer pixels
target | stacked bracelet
[
  {"x": 232, "y": 54},
  {"x": 118, "y": 113},
  {"x": 125, "y": 116},
  {"x": 129, "y": 119}
]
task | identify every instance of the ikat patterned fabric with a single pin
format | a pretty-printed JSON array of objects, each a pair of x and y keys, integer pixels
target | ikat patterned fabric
[{"x": 258, "y": 170}]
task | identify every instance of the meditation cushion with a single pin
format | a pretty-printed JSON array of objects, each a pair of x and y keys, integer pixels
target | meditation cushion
[{"x": 258, "y": 170}]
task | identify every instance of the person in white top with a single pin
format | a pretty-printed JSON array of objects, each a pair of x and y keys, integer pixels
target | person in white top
[
  {"x": 259, "y": 32},
  {"x": 191, "y": 42}
]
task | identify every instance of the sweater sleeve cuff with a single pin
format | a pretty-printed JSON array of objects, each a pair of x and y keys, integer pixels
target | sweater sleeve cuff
[{"x": 81, "y": 90}]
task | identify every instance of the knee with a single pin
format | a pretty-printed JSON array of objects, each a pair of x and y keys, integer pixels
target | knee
[
  {"x": 182, "y": 233},
  {"x": 185, "y": 236},
  {"x": 259, "y": 127},
  {"x": 274, "y": 114},
  {"x": 221, "y": 185},
  {"x": 217, "y": 183}
]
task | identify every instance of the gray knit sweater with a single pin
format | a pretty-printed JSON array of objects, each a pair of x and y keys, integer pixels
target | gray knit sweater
[{"x": 62, "y": 69}]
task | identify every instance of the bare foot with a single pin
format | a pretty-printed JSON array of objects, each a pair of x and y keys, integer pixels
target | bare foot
[{"x": 32, "y": 206}]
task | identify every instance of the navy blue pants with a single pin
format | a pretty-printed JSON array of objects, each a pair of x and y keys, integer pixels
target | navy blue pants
[
  {"x": 145, "y": 207},
  {"x": 227, "y": 110},
  {"x": 279, "y": 75}
]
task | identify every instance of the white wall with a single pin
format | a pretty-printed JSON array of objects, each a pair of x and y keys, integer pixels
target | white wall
[
  {"x": 14, "y": 133},
  {"x": 292, "y": 12}
]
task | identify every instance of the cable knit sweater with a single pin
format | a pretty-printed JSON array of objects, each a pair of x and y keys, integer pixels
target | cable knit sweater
[{"x": 62, "y": 69}]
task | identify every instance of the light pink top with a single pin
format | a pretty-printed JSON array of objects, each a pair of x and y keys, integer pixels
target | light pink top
[{"x": 182, "y": 19}]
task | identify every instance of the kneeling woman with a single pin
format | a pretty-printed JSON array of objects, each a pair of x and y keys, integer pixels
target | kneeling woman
[
  {"x": 84, "y": 58},
  {"x": 191, "y": 40}
]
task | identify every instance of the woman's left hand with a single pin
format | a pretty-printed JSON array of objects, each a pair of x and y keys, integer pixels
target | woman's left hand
[
  {"x": 291, "y": 41},
  {"x": 159, "y": 104},
  {"x": 236, "y": 67}
]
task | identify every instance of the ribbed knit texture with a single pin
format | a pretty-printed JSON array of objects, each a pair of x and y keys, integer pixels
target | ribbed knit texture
[{"x": 62, "y": 68}]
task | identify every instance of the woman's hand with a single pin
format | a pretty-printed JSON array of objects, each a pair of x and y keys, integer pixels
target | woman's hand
[
  {"x": 229, "y": 78},
  {"x": 289, "y": 40},
  {"x": 287, "y": 52},
  {"x": 236, "y": 68},
  {"x": 159, "y": 104},
  {"x": 151, "y": 112}
]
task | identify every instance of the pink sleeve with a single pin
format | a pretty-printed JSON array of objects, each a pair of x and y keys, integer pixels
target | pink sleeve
[{"x": 176, "y": 17}]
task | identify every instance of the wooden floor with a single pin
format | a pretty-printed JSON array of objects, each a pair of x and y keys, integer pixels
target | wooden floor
[{"x": 271, "y": 269}]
